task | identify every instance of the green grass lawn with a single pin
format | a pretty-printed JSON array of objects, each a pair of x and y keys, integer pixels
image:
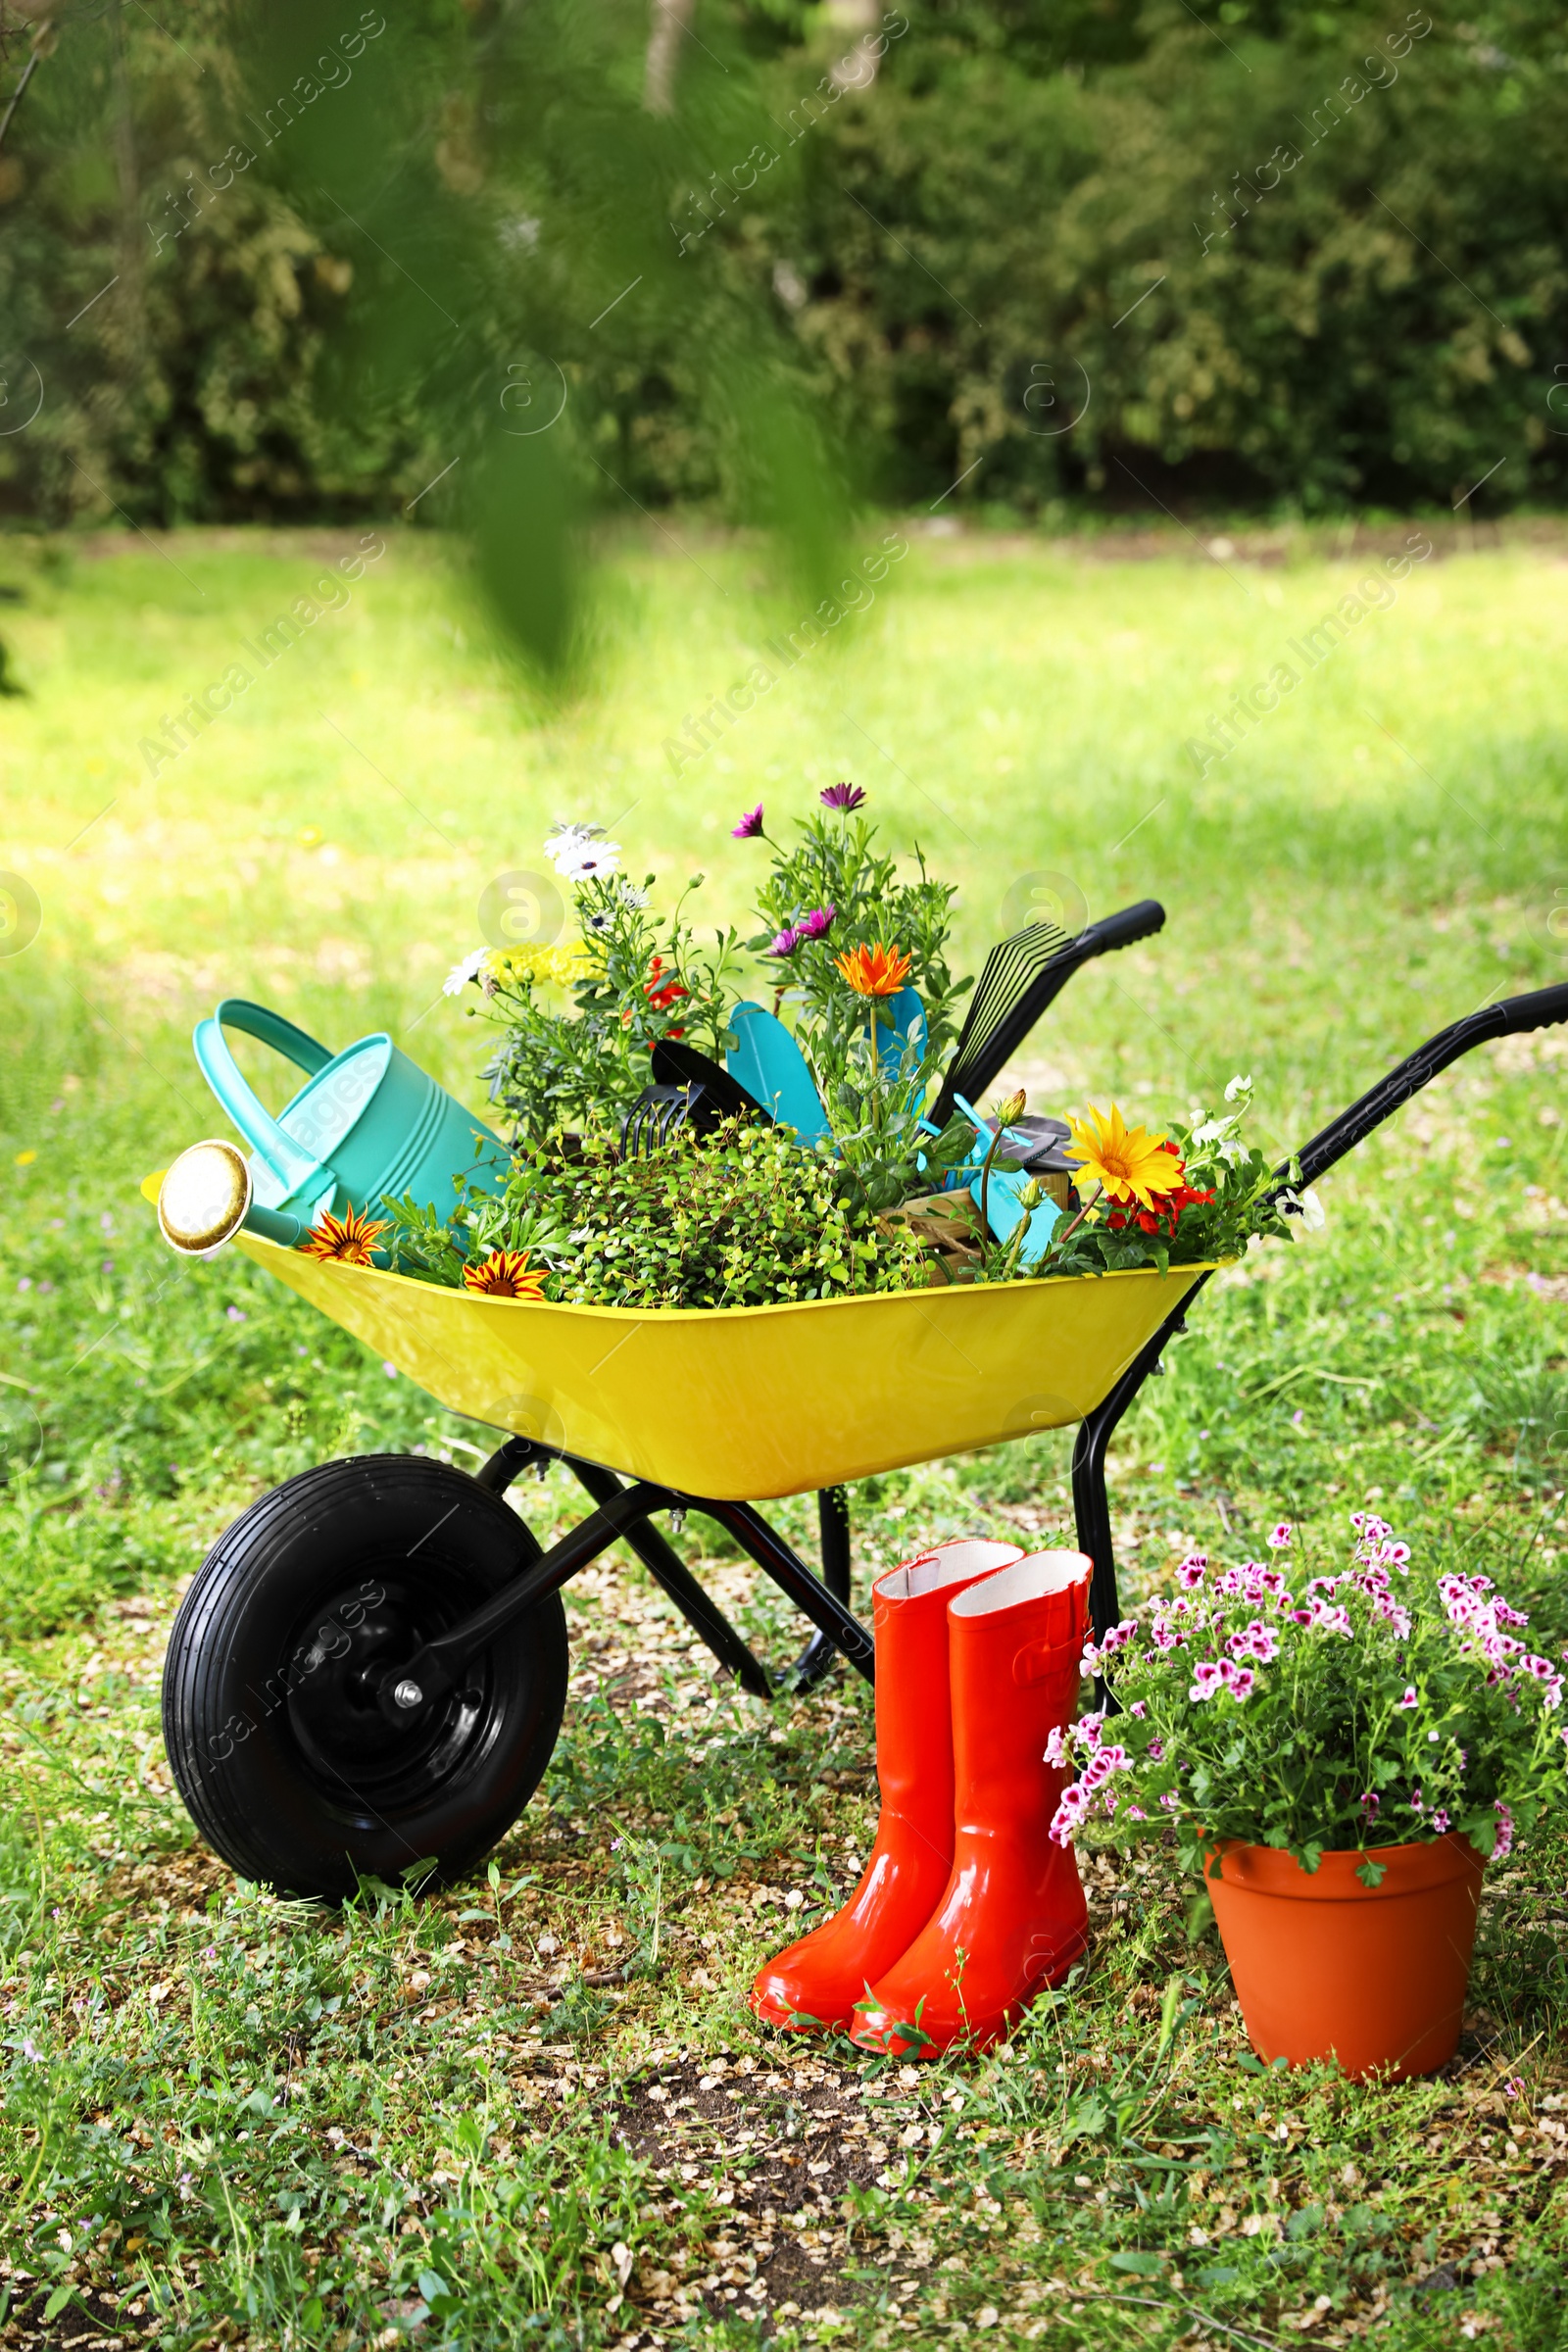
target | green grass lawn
[{"x": 535, "y": 2111}]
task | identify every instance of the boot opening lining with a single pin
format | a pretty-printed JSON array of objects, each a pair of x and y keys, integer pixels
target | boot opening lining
[
  {"x": 946, "y": 1564},
  {"x": 1027, "y": 1579}
]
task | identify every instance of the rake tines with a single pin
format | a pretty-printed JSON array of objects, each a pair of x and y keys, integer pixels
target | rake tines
[
  {"x": 658, "y": 1113},
  {"x": 1010, "y": 972}
]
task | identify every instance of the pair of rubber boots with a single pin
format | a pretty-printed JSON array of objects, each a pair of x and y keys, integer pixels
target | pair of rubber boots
[{"x": 966, "y": 1908}]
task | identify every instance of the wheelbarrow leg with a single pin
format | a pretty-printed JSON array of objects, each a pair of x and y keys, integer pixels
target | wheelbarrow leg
[
  {"x": 833, "y": 1522},
  {"x": 1090, "y": 1504},
  {"x": 660, "y": 1559},
  {"x": 675, "y": 1579}
]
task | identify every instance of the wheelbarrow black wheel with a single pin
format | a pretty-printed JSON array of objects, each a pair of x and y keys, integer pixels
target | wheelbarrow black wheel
[{"x": 287, "y": 1764}]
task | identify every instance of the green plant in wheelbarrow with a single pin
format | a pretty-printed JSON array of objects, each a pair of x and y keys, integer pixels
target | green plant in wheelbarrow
[
  {"x": 631, "y": 979},
  {"x": 741, "y": 1217},
  {"x": 1340, "y": 1754}
]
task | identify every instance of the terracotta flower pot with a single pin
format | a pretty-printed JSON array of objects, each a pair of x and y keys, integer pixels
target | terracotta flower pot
[{"x": 1325, "y": 1967}]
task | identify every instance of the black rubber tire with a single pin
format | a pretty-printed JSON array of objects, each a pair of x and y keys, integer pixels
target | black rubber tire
[{"x": 289, "y": 1769}]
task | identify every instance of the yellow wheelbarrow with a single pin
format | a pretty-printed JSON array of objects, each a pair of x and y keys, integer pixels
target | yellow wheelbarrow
[{"x": 369, "y": 1671}]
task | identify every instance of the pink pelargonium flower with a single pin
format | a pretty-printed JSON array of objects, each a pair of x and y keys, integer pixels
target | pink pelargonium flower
[
  {"x": 1394, "y": 1555},
  {"x": 1206, "y": 1680},
  {"x": 1409, "y": 1699},
  {"x": 1117, "y": 1636},
  {"x": 1089, "y": 1727},
  {"x": 1368, "y": 1525},
  {"x": 1157, "y": 1750},
  {"x": 1192, "y": 1571},
  {"x": 1281, "y": 1537},
  {"x": 1440, "y": 1822},
  {"x": 1504, "y": 1844},
  {"x": 1074, "y": 1804},
  {"x": 1392, "y": 1614},
  {"x": 1331, "y": 1621},
  {"x": 1545, "y": 1674},
  {"x": 1138, "y": 1710},
  {"x": 1055, "y": 1751},
  {"x": 1240, "y": 1681},
  {"x": 1255, "y": 1641}
]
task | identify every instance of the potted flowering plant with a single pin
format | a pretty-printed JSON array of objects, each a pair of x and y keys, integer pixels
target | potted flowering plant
[{"x": 1341, "y": 1759}]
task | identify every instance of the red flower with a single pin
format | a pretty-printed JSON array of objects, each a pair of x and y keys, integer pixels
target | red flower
[
  {"x": 662, "y": 994},
  {"x": 1165, "y": 1217}
]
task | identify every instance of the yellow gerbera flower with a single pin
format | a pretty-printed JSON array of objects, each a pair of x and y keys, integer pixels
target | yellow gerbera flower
[
  {"x": 349, "y": 1240},
  {"x": 1131, "y": 1163},
  {"x": 506, "y": 1274}
]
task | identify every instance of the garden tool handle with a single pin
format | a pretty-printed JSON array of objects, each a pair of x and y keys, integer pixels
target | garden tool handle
[
  {"x": 1512, "y": 1016},
  {"x": 295, "y": 1169},
  {"x": 1119, "y": 930}
]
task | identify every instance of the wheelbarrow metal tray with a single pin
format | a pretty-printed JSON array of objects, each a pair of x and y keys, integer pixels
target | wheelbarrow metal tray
[{"x": 749, "y": 1403}]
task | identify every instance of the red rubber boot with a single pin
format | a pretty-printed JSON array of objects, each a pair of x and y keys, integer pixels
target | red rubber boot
[
  {"x": 1013, "y": 1917},
  {"x": 817, "y": 1983}
]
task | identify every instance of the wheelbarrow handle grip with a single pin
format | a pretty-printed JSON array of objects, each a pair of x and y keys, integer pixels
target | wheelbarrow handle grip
[
  {"x": 1540, "y": 1008},
  {"x": 1513, "y": 1017}
]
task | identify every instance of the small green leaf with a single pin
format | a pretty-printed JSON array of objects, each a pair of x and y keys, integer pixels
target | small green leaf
[{"x": 57, "y": 2303}]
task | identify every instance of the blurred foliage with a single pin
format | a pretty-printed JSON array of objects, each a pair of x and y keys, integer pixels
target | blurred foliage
[{"x": 522, "y": 264}]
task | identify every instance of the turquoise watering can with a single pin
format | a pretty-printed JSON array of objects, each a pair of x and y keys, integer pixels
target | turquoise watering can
[{"x": 368, "y": 1124}]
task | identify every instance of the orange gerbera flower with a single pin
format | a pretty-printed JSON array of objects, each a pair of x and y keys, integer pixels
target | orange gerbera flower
[
  {"x": 877, "y": 971},
  {"x": 350, "y": 1240},
  {"x": 506, "y": 1274},
  {"x": 1131, "y": 1163}
]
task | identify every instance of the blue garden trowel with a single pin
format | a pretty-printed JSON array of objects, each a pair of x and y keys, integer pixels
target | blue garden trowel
[
  {"x": 899, "y": 1024},
  {"x": 766, "y": 1059}
]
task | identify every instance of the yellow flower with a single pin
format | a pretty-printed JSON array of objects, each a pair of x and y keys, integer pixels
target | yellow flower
[
  {"x": 25, "y": 1159},
  {"x": 562, "y": 965},
  {"x": 506, "y": 1274},
  {"x": 350, "y": 1240},
  {"x": 877, "y": 971},
  {"x": 1131, "y": 1163}
]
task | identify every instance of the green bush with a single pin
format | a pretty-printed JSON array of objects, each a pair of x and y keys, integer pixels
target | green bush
[{"x": 1239, "y": 252}]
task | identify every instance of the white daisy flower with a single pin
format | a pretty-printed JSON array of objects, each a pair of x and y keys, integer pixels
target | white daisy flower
[
  {"x": 461, "y": 974},
  {"x": 578, "y": 851}
]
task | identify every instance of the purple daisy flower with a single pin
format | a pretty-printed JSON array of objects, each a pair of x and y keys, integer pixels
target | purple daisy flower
[
  {"x": 817, "y": 923},
  {"x": 751, "y": 824},
  {"x": 783, "y": 945},
  {"x": 843, "y": 797}
]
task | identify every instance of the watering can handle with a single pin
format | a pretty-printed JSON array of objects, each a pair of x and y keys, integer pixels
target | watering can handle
[{"x": 295, "y": 1169}]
